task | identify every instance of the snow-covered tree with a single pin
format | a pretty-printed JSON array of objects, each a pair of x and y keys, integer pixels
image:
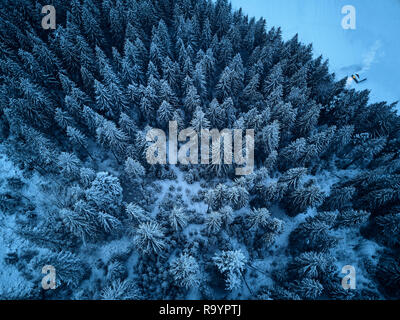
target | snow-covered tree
[
  {"x": 105, "y": 191},
  {"x": 231, "y": 264},
  {"x": 75, "y": 99},
  {"x": 68, "y": 163},
  {"x": 214, "y": 222},
  {"x": 309, "y": 288},
  {"x": 70, "y": 269},
  {"x": 150, "y": 238},
  {"x": 186, "y": 271},
  {"x": 136, "y": 213},
  {"x": 178, "y": 218},
  {"x": 134, "y": 169},
  {"x": 121, "y": 290}
]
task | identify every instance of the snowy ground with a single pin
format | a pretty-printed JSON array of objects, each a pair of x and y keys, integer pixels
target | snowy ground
[{"x": 373, "y": 49}]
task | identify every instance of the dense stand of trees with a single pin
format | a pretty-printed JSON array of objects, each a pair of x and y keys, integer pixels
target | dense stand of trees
[{"x": 75, "y": 106}]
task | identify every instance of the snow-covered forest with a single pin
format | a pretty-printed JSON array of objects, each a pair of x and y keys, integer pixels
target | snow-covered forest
[
  {"x": 368, "y": 50},
  {"x": 77, "y": 193}
]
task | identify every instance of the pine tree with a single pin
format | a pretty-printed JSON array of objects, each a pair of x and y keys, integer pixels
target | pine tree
[
  {"x": 228, "y": 112},
  {"x": 167, "y": 94},
  {"x": 258, "y": 218},
  {"x": 68, "y": 163},
  {"x": 109, "y": 135},
  {"x": 105, "y": 192},
  {"x": 114, "y": 69},
  {"x": 231, "y": 264},
  {"x": 140, "y": 54},
  {"x": 87, "y": 175},
  {"x": 149, "y": 100},
  {"x": 191, "y": 100},
  {"x": 302, "y": 198},
  {"x": 71, "y": 270},
  {"x": 134, "y": 169},
  {"x": 80, "y": 226},
  {"x": 294, "y": 151},
  {"x": 186, "y": 271},
  {"x": 103, "y": 99},
  {"x": 313, "y": 265},
  {"x": 171, "y": 73},
  {"x": 271, "y": 160},
  {"x": 77, "y": 138},
  {"x": 309, "y": 288},
  {"x": 150, "y": 238},
  {"x": 136, "y": 213},
  {"x": 286, "y": 115},
  {"x": 62, "y": 118},
  {"x": 213, "y": 222},
  {"x": 306, "y": 122},
  {"x": 274, "y": 79},
  {"x": 107, "y": 221},
  {"x": 178, "y": 218},
  {"x": 312, "y": 235},
  {"x": 199, "y": 120},
  {"x": 387, "y": 274},
  {"x": 227, "y": 215},
  {"x": 352, "y": 218},
  {"x": 238, "y": 197},
  {"x": 270, "y": 137},
  {"x": 292, "y": 177},
  {"x": 121, "y": 290},
  {"x": 339, "y": 198},
  {"x": 165, "y": 114},
  {"x": 90, "y": 22},
  {"x": 251, "y": 94},
  {"x": 387, "y": 228},
  {"x": 215, "y": 114},
  {"x": 127, "y": 124},
  {"x": 224, "y": 86}
]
